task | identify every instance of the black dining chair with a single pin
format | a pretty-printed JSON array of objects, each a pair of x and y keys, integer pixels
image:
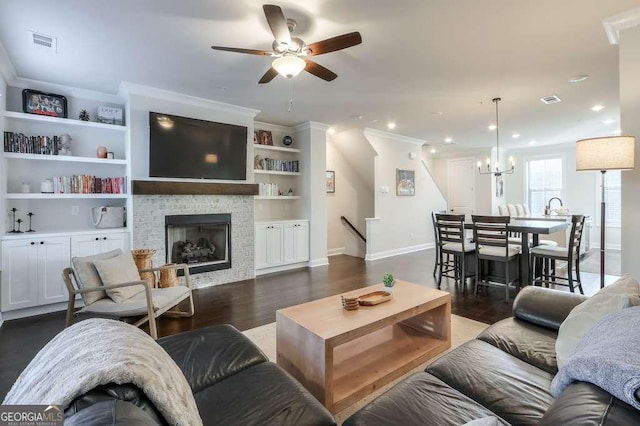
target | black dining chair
[
  {"x": 453, "y": 245},
  {"x": 491, "y": 234},
  {"x": 436, "y": 263},
  {"x": 548, "y": 255}
]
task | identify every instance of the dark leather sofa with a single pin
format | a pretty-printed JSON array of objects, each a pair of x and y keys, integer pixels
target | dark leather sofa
[
  {"x": 505, "y": 372},
  {"x": 233, "y": 383}
]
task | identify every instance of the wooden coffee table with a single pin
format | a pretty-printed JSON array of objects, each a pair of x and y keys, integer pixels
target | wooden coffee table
[{"x": 341, "y": 356}]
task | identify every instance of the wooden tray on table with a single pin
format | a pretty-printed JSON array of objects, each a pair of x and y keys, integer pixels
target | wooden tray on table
[{"x": 374, "y": 298}]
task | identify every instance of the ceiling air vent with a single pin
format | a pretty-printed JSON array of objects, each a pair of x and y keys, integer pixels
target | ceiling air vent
[
  {"x": 43, "y": 41},
  {"x": 553, "y": 99}
]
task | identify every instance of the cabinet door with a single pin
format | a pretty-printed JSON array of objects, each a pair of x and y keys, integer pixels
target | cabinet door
[
  {"x": 85, "y": 245},
  {"x": 53, "y": 256},
  {"x": 261, "y": 247},
  {"x": 275, "y": 255},
  {"x": 19, "y": 274},
  {"x": 289, "y": 241},
  {"x": 115, "y": 241},
  {"x": 301, "y": 242}
]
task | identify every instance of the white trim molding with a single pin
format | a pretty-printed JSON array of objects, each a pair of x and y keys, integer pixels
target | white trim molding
[
  {"x": 279, "y": 269},
  {"x": 322, "y": 261},
  {"x": 311, "y": 125},
  {"x": 396, "y": 137},
  {"x": 399, "y": 251},
  {"x": 622, "y": 21},
  {"x": 335, "y": 251},
  {"x": 127, "y": 89}
]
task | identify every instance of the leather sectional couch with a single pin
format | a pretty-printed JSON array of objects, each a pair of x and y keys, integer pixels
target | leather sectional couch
[
  {"x": 233, "y": 383},
  {"x": 504, "y": 373}
]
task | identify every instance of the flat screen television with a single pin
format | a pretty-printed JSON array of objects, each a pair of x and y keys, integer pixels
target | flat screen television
[{"x": 181, "y": 147}]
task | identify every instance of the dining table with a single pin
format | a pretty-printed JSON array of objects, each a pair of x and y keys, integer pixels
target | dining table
[{"x": 535, "y": 228}]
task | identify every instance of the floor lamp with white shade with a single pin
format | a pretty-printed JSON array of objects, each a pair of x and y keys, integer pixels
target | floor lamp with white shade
[{"x": 607, "y": 153}]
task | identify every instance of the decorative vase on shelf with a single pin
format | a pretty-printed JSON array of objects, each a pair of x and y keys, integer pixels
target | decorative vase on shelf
[
  {"x": 101, "y": 152},
  {"x": 287, "y": 140}
]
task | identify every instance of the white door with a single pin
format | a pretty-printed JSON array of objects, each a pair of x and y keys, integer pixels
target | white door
[
  {"x": 301, "y": 242},
  {"x": 261, "y": 247},
  {"x": 19, "y": 274},
  {"x": 461, "y": 191},
  {"x": 53, "y": 256},
  {"x": 275, "y": 240}
]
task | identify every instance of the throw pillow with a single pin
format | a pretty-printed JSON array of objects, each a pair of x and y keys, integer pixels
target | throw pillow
[
  {"x": 118, "y": 270},
  {"x": 585, "y": 315},
  {"x": 623, "y": 285},
  {"x": 87, "y": 275}
]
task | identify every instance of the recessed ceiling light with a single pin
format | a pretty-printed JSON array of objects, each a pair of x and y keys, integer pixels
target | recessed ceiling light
[
  {"x": 515, "y": 135},
  {"x": 609, "y": 121},
  {"x": 432, "y": 150},
  {"x": 597, "y": 108},
  {"x": 492, "y": 127},
  {"x": 331, "y": 130},
  {"x": 578, "y": 78},
  {"x": 448, "y": 140},
  {"x": 437, "y": 114},
  {"x": 532, "y": 142},
  {"x": 391, "y": 125}
]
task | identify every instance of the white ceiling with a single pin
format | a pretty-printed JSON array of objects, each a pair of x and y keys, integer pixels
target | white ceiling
[{"x": 418, "y": 57}]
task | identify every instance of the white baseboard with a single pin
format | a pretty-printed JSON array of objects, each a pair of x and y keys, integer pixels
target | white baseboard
[
  {"x": 323, "y": 261},
  {"x": 281, "y": 268},
  {"x": 336, "y": 251},
  {"x": 613, "y": 247},
  {"x": 399, "y": 251},
  {"x": 36, "y": 310}
]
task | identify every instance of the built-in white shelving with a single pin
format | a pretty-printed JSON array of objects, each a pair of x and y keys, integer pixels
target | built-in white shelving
[
  {"x": 63, "y": 158},
  {"x": 275, "y": 172},
  {"x": 12, "y": 115},
  {"x": 275, "y": 148},
  {"x": 37, "y": 196}
]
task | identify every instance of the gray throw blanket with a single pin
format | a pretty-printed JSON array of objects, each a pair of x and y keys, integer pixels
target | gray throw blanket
[
  {"x": 96, "y": 352},
  {"x": 608, "y": 355}
]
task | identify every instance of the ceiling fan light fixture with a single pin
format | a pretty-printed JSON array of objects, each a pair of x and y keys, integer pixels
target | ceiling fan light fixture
[{"x": 289, "y": 66}]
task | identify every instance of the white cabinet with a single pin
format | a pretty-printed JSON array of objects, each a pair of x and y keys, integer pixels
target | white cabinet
[
  {"x": 296, "y": 242},
  {"x": 32, "y": 271},
  {"x": 90, "y": 244},
  {"x": 269, "y": 245},
  {"x": 281, "y": 243}
]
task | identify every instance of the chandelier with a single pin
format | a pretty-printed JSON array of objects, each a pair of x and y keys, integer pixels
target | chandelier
[{"x": 497, "y": 171}]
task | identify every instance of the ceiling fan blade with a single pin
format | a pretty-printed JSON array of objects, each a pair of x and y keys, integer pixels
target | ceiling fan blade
[
  {"x": 319, "y": 71},
  {"x": 277, "y": 23},
  {"x": 336, "y": 43},
  {"x": 268, "y": 76},
  {"x": 238, "y": 50}
]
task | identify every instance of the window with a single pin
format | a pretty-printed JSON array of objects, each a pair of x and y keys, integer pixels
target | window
[
  {"x": 544, "y": 181},
  {"x": 613, "y": 197}
]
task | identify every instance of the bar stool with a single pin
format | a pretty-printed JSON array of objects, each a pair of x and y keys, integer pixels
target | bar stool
[
  {"x": 492, "y": 238},
  {"x": 436, "y": 263},
  {"x": 548, "y": 255},
  {"x": 452, "y": 241}
]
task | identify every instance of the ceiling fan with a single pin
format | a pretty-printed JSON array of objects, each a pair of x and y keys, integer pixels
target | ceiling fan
[{"x": 291, "y": 52}]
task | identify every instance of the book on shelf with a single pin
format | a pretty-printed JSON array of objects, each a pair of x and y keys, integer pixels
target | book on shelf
[
  {"x": 280, "y": 165},
  {"x": 24, "y": 144},
  {"x": 86, "y": 184}
]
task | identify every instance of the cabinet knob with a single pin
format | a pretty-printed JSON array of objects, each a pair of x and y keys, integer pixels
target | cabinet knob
[
  {"x": 32, "y": 243},
  {"x": 97, "y": 238},
  {"x": 41, "y": 242},
  {"x": 104, "y": 238}
]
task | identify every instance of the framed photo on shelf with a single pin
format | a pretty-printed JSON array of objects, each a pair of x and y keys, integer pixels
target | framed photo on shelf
[
  {"x": 405, "y": 182},
  {"x": 265, "y": 137},
  {"x": 41, "y": 103},
  {"x": 256, "y": 140},
  {"x": 110, "y": 115},
  {"x": 331, "y": 181}
]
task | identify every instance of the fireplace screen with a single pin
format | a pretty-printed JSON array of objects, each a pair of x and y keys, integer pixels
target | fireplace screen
[{"x": 202, "y": 241}]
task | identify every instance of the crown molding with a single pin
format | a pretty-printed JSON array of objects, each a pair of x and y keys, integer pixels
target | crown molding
[
  {"x": 394, "y": 136},
  {"x": 622, "y": 21},
  {"x": 76, "y": 92},
  {"x": 127, "y": 89},
  {"x": 7, "y": 70},
  {"x": 311, "y": 125},
  {"x": 266, "y": 126}
]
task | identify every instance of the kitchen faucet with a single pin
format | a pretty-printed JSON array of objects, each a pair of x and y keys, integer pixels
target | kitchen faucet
[{"x": 548, "y": 207}]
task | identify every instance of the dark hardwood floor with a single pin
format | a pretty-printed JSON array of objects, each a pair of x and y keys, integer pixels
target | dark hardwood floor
[{"x": 252, "y": 303}]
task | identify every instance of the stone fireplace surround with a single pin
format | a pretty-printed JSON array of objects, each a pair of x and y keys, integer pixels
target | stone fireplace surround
[{"x": 149, "y": 213}]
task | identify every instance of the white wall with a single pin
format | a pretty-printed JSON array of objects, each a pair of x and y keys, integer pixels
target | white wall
[
  {"x": 630, "y": 112},
  {"x": 580, "y": 189},
  {"x": 353, "y": 197},
  {"x": 403, "y": 222}
]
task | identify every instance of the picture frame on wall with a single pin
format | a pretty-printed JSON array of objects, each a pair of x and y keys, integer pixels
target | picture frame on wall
[
  {"x": 330, "y": 181},
  {"x": 499, "y": 186},
  {"x": 41, "y": 103},
  {"x": 265, "y": 137},
  {"x": 405, "y": 182}
]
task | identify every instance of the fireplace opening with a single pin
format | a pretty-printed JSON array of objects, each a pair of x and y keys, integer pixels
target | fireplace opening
[{"x": 202, "y": 241}]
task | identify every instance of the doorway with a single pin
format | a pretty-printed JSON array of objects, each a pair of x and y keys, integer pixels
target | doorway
[{"x": 461, "y": 186}]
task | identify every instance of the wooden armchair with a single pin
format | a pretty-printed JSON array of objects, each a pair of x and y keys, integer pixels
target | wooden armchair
[{"x": 149, "y": 304}]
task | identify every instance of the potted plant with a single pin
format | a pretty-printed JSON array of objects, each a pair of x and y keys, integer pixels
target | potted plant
[{"x": 389, "y": 282}]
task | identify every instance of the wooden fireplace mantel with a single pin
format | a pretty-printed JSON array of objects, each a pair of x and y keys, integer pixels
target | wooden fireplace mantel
[{"x": 154, "y": 187}]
